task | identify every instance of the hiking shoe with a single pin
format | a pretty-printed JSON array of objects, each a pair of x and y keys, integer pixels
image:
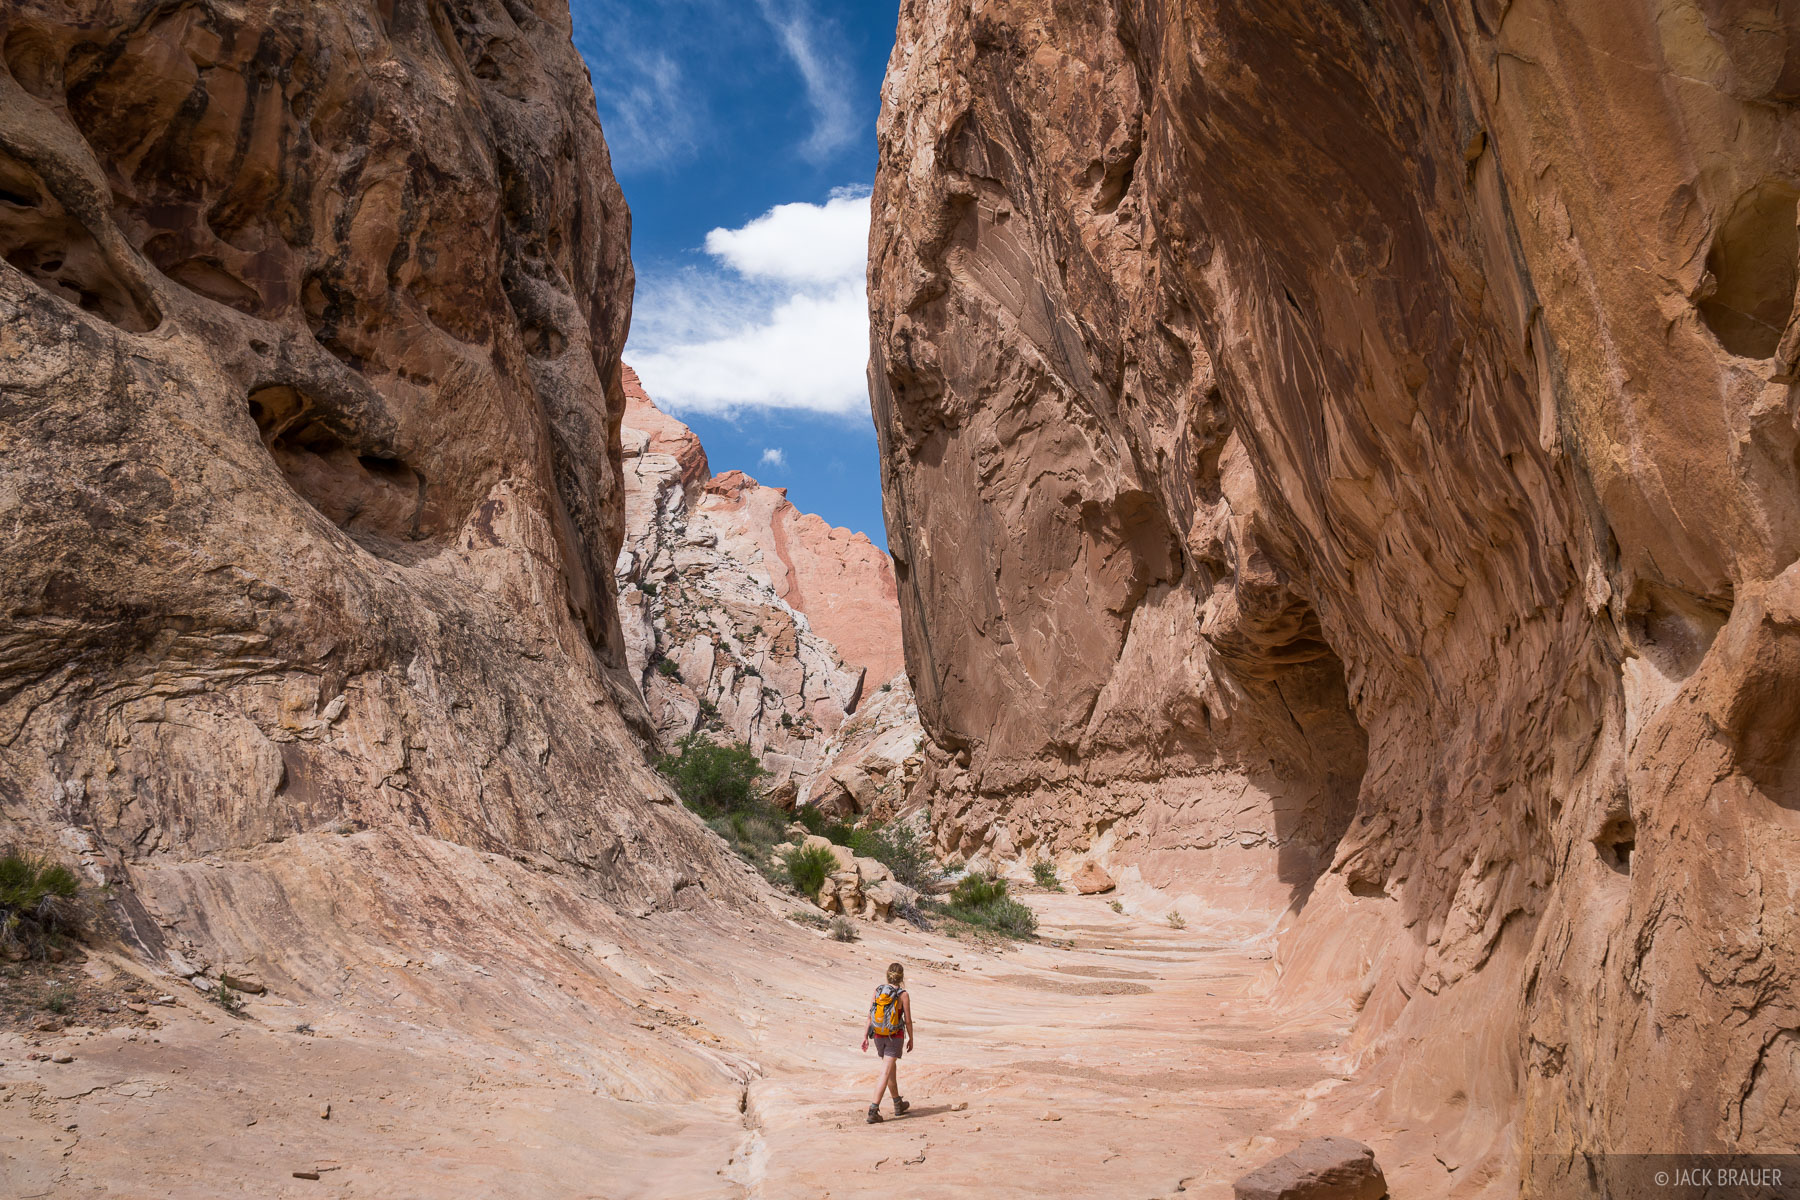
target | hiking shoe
[
  {"x": 874, "y": 1114},
  {"x": 900, "y": 1105}
]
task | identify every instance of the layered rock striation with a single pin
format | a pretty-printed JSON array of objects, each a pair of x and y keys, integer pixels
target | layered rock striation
[
  {"x": 310, "y": 325},
  {"x": 727, "y": 590},
  {"x": 1345, "y": 456}
]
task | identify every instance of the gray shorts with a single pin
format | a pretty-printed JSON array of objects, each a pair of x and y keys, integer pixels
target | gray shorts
[{"x": 889, "y": 1047}]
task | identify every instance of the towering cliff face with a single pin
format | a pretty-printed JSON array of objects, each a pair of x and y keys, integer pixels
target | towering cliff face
[
  {"x": 311, "y": 323},
  {"x": 1350, "y": 450}
]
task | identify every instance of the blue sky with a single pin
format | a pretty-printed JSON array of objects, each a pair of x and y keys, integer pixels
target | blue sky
[{"x": 743, "y": 133}]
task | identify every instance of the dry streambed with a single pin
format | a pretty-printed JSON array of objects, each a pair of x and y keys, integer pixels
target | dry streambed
[{"x": 1116, "y": 1057}]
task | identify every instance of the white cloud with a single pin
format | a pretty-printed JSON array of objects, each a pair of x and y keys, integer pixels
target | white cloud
[
  {"x": 829, "y": 82},
  {"x": 781, "y": 322},
  {"x": 801, "y": 243},
  {"x": 774, "y": 456}
]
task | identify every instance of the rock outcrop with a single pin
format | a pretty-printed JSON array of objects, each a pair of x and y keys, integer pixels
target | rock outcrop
[
  {"x": 1326, "y": 1168},
  {"x": 869, "y": 767},
  {"x": 712, "y": 576},
  {"x": 310, "y": 327},
  {"x": 1345, "y": 455},
  {"x": 857, "y": 886}
]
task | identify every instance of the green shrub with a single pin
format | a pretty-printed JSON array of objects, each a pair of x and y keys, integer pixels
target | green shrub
[
  {"x": 60, "y": 1001},
  {"x": 829, "y": 828},
  {"x": 648, "y": 587},
  {"x": 668, "y": 668},
  {"x": 1176, "y": 920},
  {"x": 25, "y": 881},
  {"x": 808, "y": 867},
  {"x": 1044, "y": 873},
  {"x": 227, "y": 998},
  {"x": 843, "y": 929},
  {"x": 752, "y": 833},
  {"x": 1115, "y": 906},
  {"x": 709, "y": 712},
  {"x": 976, "y": 891},
  {"x": 39, "y": 902},
  {"x": 711, "y": 779},
  {"x": 902, "y": 849},
  {"x": 984, "y": 904},
  {"x": 809, "y": 916}
]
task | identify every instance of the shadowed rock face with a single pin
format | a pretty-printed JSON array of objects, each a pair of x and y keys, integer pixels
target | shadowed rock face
[
  {"x": 309, "y": 412},
  {"x": 1353, "y": 446}
]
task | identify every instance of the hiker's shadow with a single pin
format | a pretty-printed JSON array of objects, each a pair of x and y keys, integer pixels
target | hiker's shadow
[{"x": 928, "y": 1110}]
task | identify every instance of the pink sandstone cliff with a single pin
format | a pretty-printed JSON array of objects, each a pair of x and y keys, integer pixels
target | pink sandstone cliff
[{"x": 1343, "y": 458}]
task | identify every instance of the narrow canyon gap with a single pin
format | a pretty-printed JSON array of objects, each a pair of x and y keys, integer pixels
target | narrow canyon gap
[{"x": 1342, "y": 457}]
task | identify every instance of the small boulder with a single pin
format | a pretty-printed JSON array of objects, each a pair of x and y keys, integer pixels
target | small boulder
[
  {"x": 880, "y": 898},
  {"x": 872, "y": 870},
  {"x": 1092, "y": 879},
  {"x": 1327, "y": 1168},
  {"x": 783, "y": 795}
]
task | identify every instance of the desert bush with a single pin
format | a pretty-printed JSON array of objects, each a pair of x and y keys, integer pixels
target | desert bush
[
  {"x": 913, "y": 914},
  {"x": 843, "y": 929},
  {"x": 668, "y": 668},
  {"x": 1176, "y": 920},
  {"x": 39, "y": 903},
  {"x": 975, "y": 891},
  {"x": 1115, "y": 906},
  {"x": 227, "y": 998},
  {"x": 808, "y": 867},
  {"x": 984, "y": 904},
  {"x": 809, "y": 916},
  {"x": 902, "y": 849},
  {"x": 1044, "y": 873},
  {"x": 816, "y": 822},
  {"x": 753, "y": 834},
  {"x": 713, "y": 779}
]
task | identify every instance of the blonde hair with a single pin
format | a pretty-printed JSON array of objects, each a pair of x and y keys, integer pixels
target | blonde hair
[{"x": 896, "y": 974}]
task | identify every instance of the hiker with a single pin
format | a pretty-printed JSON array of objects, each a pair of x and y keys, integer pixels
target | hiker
[{"x": 889, "y": 1012}]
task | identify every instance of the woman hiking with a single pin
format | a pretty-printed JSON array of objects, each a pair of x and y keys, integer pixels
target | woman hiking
[{"x": 889, "y": 1012}]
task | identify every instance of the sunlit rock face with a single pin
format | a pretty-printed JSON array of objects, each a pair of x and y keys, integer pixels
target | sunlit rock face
[
  {"x": 1345, "y": 454},
  {"x": 731, "y": 597},
  {"x": 310, "y": 327}
]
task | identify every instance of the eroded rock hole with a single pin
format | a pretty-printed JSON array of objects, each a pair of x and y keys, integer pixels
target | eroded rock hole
[
  {"x": 375, "y": 497},
  {"x": 40, "y": 238},
  {"x": 35, "y": 62},
  {"x": 1752, "y": 261},
  {"x": 1615, "y": 842}
]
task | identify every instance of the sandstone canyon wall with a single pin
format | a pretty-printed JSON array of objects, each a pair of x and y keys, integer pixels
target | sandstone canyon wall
[
  {"x": 311, "y": 495},
  {"x": 1344, "y": 455},
  {"x": 733, "y": 601}
]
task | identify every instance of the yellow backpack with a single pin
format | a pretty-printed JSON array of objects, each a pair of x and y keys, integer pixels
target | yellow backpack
[{"x": 884, "y": 1014}]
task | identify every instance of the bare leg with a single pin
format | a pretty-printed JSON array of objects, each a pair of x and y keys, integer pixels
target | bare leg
[
  {"x": 887, "y": 1070},
  {"x": 894, "y": 1077}
]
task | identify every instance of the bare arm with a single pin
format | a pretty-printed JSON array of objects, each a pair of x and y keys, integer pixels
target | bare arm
[{"x": 906, "y": 1011}]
